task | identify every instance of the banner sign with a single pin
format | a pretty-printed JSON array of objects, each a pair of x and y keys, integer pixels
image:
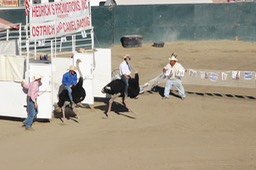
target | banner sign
[
  {"x": 5, "y": 3},
  {"x": 228, "y": 78},
  {"x": 59, "y": 18}
]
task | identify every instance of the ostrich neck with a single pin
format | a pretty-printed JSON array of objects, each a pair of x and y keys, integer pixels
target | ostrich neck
[{"x": 78, "y": 69}]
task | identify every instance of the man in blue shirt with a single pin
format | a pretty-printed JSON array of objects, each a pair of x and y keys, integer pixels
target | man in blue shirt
[{"x": 69, "y": 79}]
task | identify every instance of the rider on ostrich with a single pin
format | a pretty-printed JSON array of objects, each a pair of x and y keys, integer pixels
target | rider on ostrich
[
  {"x": 69, "y": 80},
  {"x": 125, "y": 72},
  {"x": 117, "y": 86},
  {"x": 77, "y": 91},
  {"x": 126, "y": 86}
]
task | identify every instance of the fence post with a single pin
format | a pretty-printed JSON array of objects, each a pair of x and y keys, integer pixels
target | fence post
[
  {"x": 92, "y": 38},
  {"x": 19, "y": 39},
  {"x": 73, "y": 43},
  {"x": 7, "y": 34}
]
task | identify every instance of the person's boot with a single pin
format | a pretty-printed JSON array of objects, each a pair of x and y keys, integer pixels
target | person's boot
[
  {"x": 57, "y": 109},
  {"x": 72, "y": 104}
]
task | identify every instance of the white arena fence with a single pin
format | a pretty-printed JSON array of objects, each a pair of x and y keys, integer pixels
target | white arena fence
[
  {"x": 201, "y": 77},
  {"x": 63, "y": 46},
  {"x": 224, "y": 78}
]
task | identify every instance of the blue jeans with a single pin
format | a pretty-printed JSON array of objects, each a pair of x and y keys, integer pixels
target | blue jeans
[
  {"x": 176, "y": 83},
  {"x": 126, "y": 81},
  {"x": 32, "y": 112},
  {"x": 69, "y": 93}
]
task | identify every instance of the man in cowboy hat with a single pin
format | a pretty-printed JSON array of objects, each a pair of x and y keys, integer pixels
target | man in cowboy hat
[
  {"x": 173, "y": 72},
  {"x": 125, "y": 71},
  {"x": 32, "y": 106},
  {"x": 69, "y": 79}
]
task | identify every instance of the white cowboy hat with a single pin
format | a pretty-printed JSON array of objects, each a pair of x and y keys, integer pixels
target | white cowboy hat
[
  {"x": 72, "y": 68},
  {"x": 173, "y": 58},
  {"x": 37, "y": 76},
  {"x": 127, "y": 56}
]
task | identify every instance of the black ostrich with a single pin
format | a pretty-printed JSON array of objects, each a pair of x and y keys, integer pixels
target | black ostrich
[
  {"x": 117, "y": 87},
  {"x": 78, "y": 93}
]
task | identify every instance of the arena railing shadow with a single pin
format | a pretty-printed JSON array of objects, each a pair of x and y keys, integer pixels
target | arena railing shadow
[{"x": 160, "y": 91}]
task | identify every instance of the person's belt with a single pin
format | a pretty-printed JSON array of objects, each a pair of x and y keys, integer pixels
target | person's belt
[{"x": 30, "y": 99}]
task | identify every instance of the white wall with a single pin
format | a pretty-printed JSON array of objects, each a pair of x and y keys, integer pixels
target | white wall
[{"x": 96, "y": 75}]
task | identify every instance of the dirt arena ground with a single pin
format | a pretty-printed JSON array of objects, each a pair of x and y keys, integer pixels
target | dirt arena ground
[{"x": 202, "y": 132}]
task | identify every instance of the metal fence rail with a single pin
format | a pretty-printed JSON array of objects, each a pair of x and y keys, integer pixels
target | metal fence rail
[{"x": 57, "y": 46}]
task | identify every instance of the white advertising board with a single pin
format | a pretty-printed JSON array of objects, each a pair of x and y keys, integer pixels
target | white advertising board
[
  {"x": 13, "y": 101},
  {"x": 96, "y": 70},
  {"x": 86, "y": 66},
  {"x": 45, "y": 106},
  {"x": 102, "y": 71},
  {"x": 56, "y": 19}
]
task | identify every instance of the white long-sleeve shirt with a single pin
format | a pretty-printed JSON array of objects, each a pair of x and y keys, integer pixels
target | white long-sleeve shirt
[
  {"x": 175, "y": 71},
  {"x": 124, "y": 69}
]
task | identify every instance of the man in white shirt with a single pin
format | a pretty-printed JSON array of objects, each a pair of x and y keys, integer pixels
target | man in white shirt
[
  {"x": 125, "y": 72},
  {"x": 174, "y": 71}
]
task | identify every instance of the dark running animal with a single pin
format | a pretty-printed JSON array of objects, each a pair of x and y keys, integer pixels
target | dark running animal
[{"x": 117, "y": 87}]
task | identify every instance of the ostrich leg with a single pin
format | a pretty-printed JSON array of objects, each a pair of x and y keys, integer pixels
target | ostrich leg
[
  {"x": 124, "y": 102},
  {"x": 113, "y": 97},
  {"x": 66, "y": 103},
  {"x": 126, "y": 106}
]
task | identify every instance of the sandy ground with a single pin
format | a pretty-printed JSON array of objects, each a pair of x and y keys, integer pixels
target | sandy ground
[{"x": 202, "y": 132}]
